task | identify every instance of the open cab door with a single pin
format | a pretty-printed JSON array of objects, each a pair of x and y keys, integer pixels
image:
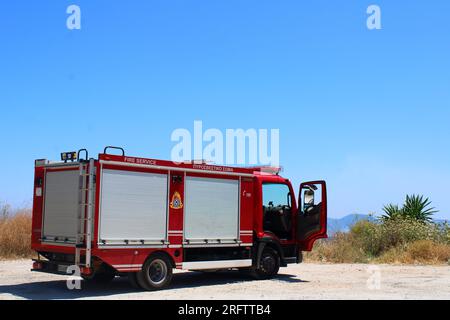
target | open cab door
[{"x": 312, "y": 214}]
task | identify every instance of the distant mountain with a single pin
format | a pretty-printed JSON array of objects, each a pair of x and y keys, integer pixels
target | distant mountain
[
  {"x": 345, "y": 223},
  {"x": 441, "y": 221}
]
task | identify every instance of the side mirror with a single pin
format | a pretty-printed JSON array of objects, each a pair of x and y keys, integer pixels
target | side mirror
[{"x": 308, "y": 199}]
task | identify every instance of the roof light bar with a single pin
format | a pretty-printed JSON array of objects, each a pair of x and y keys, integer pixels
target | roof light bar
[{"x": 69, "y": 156}]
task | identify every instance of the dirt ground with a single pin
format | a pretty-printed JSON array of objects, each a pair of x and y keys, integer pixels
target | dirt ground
[{"x": 297, "y": 282}]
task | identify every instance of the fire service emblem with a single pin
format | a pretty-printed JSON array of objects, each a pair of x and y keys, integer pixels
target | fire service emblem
[{"x": 176, "y": 201}]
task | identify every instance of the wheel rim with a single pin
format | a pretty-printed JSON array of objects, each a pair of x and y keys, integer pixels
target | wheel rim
[
  {"x": 157, "y": 271},
  {"x": 268, "y": 264}
]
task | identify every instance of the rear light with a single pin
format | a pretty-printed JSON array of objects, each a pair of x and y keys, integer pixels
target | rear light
[
  {"x": 85, "y": 270},
  {"x": 37, "y": 265}
]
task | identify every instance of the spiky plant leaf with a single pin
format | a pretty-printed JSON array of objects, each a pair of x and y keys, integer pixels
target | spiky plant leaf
[
  {"x": 418, "y": 208},
  {"x": 391, "y": 211}
]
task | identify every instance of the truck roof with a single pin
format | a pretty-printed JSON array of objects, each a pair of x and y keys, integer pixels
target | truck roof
[{"x": 193, "y": 166}]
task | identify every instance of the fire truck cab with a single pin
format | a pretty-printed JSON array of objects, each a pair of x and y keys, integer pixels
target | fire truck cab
[{"x": 141, "y": 218}]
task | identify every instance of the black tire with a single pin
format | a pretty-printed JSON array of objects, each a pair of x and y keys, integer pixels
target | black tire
[
  {"x": 269, "y": 265},
  {"x": 105, "y": 274},
  {"x": 132, "y": 279},
  {"x": 156, "y": 273}
]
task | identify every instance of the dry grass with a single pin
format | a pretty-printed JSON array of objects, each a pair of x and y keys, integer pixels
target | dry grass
[
  {"x": 395, "y": 241},
  {"x": 341, "y": 249},
  {"x": 15, "y": 235},
  {"x": 418, "y": 252}
]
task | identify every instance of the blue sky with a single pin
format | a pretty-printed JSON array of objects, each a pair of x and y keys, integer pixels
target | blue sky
[{"x": 366, "y": 110}]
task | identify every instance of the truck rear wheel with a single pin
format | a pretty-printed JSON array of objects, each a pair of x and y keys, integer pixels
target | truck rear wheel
[
  {"x": 156, "y": 273},
  {"x": 269, "y": 264}
]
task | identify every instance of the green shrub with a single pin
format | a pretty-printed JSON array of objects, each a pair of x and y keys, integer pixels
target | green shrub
[
  {"x": 340, "y": 249},
  {"x": 397, "y": 239}
]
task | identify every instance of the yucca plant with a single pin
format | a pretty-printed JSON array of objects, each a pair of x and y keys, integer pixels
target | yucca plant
[
  {"x": 418, "y": 208},
  {"x": 415, "y": 208},
  {"x": 391, "y": 211}
]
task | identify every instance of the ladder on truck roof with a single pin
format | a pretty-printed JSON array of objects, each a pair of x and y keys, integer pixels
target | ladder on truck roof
[{"x": 85, "y": 212}]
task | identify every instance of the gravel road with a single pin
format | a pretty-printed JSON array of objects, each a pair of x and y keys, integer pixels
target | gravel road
[{"x": 297, "y": 282}]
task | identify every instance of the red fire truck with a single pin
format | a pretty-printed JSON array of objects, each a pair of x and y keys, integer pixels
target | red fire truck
[{"x": 127, "y": 216}]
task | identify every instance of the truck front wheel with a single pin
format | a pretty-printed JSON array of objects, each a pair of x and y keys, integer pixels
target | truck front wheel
[
  {"x": 269, "y": 264},
  {"x": 156, "y": 273}
]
